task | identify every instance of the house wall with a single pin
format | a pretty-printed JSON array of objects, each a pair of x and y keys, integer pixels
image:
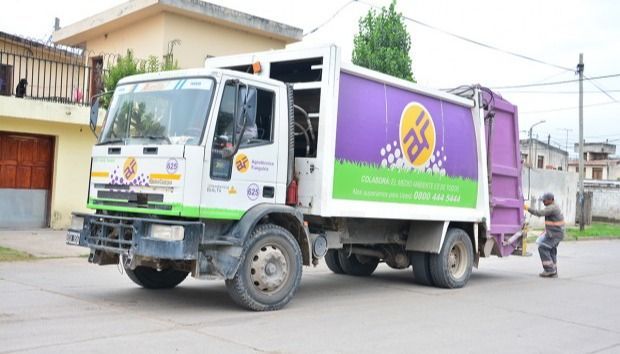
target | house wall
[
  {"x": 200, "y": 38},
  {"x": 610, "y": 172},
  {"x": 605, "y": 203},
  {"x": 73, "y": 145},
  {"x": 562, "y": 184},
  {"x": 614, "y": 172},
  {"x": 145, "y": 38},
  {"x": 552, "y": 157}
]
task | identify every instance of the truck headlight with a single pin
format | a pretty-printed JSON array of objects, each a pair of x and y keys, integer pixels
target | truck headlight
[
  {"x": 167, "y": 232},
  {"x": 77, "y": 223}
]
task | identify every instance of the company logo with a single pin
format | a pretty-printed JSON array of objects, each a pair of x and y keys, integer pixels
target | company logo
[
  {"x": 242, "y": 163},
  {"x": 172, "y": 166},
  {"x": 253, "y": 191},
  {"x": 417, "y": 134},
  {"x": 232, "y": 190},
  {"x": 130, "y": 169}
]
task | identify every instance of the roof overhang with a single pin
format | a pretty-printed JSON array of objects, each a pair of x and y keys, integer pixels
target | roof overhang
[{"x": 133, "y": 11}]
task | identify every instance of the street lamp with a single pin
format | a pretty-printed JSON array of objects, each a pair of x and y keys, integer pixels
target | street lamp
[{"x": 531, "y": 149}]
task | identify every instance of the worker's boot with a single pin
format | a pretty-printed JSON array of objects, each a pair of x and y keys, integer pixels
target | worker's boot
[{"x": 549, "y": 272}]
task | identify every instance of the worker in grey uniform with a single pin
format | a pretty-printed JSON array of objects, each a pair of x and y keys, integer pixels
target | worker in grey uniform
[{"x": 554, "y": 233}]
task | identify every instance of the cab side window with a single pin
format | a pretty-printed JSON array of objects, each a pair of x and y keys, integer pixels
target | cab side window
[
  {"x": 224, "y": 132},
  {"x": 263, "y": 119},
  {"x": 258, "y": 108}
]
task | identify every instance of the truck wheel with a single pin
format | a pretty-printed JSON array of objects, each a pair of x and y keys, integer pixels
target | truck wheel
[
  {"x": 451, "y": 268},
  {"x": 352, "y": 264},
  {"x": 270, "y": 272},
  {"x": 421, "y": 268},
  {"x": 151, "y": 278},
  {"x": 331, "y": 259}
]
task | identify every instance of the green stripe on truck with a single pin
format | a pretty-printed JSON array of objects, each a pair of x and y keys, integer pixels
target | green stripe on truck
[{"x": 177, "y": 209}]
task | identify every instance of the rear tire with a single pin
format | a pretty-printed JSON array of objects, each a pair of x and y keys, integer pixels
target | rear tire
[
  {"x": 451, "y": 268},
  {"x": 270, "y": 273},
  {"x": 151, "y": 278},
  {"x": 351, "y": 264},
  {"x": 421, "y": 268},
  {"x": 331, "y": 259}
]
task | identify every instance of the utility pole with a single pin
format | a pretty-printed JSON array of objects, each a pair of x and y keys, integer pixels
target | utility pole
[{"x": 582, "y": 218}]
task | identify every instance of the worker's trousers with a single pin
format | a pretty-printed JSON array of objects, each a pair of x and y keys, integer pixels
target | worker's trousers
[{"x": 548, "y": 250}]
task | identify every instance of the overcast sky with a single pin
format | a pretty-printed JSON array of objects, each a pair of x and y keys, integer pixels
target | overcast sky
[{"x": 553, "y": 31}]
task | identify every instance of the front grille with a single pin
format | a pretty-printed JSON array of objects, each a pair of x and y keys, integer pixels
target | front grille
[
  {"x": 132, "y": 205},
  {"x": 111, "y": 235},
  {"x": 131, "y": 196}
]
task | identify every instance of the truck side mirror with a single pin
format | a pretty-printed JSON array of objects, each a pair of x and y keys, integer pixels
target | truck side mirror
[
  {"x": 239, "y": 121},
  {"x": 94, "y": 114}
]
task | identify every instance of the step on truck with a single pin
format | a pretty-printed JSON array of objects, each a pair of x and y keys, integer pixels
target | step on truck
[{"x": 258, "y": 164}]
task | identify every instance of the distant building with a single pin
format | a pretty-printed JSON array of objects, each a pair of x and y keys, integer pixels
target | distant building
[
  {"x": 544, "y": 156},
  {"x": 598, "y": 162}
]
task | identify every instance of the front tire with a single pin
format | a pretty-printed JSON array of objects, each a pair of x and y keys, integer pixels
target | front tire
[
  {"x": 451, "y": 268},
  {"x": 151, "y": 278},
  {"x": 270, "y": 273}
]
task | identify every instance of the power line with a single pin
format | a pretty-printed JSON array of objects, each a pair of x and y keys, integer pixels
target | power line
[
  {"x": 484, "y": 45},
  {"x": 554, "y": 82},
  {"x": 568, "y": 108},
  {"x": 330, "y": 18},
  {"x": 558, "y": 92},
  {"x": 600, "y": 88},
  {"x": 488, "y": 46},
  {"x": 603, "y": 135}
]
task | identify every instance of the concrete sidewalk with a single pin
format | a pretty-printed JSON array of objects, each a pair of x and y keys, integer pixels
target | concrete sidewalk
[{"x": 40, "y": 243}]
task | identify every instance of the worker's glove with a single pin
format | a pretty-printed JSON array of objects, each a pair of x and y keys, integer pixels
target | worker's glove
[{"x": 527, "y": 208}]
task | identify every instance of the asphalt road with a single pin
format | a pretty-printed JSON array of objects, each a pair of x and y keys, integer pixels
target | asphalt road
[{"x": 69, "y": 306}]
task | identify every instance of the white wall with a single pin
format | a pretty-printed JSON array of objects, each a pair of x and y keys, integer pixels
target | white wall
[
  {"x": 562, "y": 184},
  {"x": 605, "y": 203}
]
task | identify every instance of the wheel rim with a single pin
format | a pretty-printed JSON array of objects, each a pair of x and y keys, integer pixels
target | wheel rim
[
  {"x": 269, "y": 269},
  {"x": 457, "y": 260}
]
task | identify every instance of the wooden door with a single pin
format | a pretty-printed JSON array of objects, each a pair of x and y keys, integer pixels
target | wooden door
[
  {"x": 25, "y": 161},
  {"x": 25, "y": 180}
]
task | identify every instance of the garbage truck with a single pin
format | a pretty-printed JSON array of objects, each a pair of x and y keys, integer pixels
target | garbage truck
[{"x": 258, "y": 164}]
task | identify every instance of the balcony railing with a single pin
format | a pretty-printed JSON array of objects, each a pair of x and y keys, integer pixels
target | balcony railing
[{"x": 49, "y": 77}]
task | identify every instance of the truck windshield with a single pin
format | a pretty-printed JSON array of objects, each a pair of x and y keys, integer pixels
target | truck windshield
[{"x": 163, "y": 112}]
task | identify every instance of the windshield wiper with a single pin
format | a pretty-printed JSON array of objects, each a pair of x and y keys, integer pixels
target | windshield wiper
[
  {"x": 111, "y": 141},
  {"x": 153, "y": 137}
]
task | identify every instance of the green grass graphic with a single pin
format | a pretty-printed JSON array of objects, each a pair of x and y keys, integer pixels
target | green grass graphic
[{"x": 361, "y": 181}]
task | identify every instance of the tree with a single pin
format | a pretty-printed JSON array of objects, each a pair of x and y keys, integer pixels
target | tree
[
  {"x": 134, "y": 115},
  {"x": 383, "y": 43},
  {"x": 128, "y": 65}
]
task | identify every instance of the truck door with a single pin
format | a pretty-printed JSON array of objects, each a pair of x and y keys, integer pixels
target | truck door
[{"x": 246, "y": 117}]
